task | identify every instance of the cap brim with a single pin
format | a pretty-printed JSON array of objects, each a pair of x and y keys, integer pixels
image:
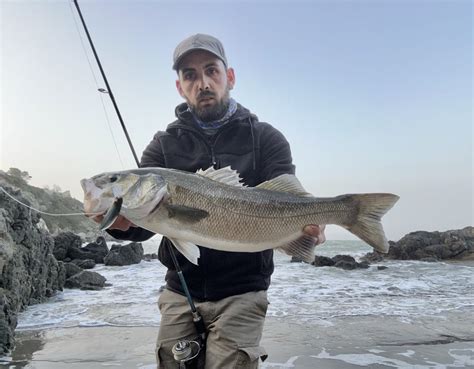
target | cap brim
[{"x": 187, "y": 52}]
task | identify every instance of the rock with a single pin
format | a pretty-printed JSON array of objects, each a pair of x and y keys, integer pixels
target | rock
[
  {"x": 80, "y": 254},
  {"x": 347, "y": 262},
  {"x": 84, "y": 264},
  {"x": 72, "y": 269},
  {"x": 119, "y": 255},
  {"x": 429, "y": 259},
  {"x": 382, "y": 267},
  {"x": 373, "y": 257},
  {"x": 339, "y": 261},
  {"x": 8, "y": 319},
  {"x": 321, "y": 261},
  {"x": 346, "y": 258},
  {"x": 363, "y": 265},
  {"x": 347, "y": 265},
  {"x": 430, "y": 246},
  {"x": 86, "y": 280},
  {"x": 68, "y": 247},
  {"x": 97, "y": 249},
  {"x": 296, "y": 259},
  {"x": 29, "y": 271},
  {"x": 63, "y": 242},
  {"x": 150, "y": 257}
]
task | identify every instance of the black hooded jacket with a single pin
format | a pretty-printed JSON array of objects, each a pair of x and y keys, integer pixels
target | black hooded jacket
[{"x": 259, "y": 153}]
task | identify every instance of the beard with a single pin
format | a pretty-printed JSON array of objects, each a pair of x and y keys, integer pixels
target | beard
[{"x": 213, "y": 112}]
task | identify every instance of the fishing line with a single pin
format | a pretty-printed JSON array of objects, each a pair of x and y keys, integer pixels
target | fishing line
[
  {"x": 43, "y": 212},
  {"x": 101, "y": 90}
]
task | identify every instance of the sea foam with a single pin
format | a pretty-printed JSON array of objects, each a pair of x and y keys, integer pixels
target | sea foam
[{"x": 299, "y": 292}]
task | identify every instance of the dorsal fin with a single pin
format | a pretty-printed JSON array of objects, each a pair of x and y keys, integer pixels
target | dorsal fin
[
  {"x": 285, "y": 183},
  {"x": 224, "y": 175}
]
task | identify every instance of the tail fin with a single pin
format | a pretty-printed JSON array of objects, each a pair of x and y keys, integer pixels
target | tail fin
[{"x": 367, "y": 226}]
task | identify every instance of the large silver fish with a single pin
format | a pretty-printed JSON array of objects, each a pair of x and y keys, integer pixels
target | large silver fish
[{"x": 213, "y": 209}]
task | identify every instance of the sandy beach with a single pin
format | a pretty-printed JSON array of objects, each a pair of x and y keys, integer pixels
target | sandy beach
[
  {"x": 412, "y": 315},
  {"x": 340, "y": 343}
]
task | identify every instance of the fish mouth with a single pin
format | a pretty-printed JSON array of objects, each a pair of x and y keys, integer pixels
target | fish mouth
[
  {"x": 86, "y": 184},
  {"x": 93, "y": 206}
]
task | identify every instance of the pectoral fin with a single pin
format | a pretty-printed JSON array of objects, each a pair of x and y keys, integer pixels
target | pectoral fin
[
  {"x": 302, "y": 247},
  {"x": 112, "y": 214},
  {"x": 188, "y": 249},
  {"x": 186, "y": 214}
]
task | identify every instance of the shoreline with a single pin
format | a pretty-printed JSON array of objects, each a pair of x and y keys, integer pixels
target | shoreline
[{"x": 438, "y": 341}]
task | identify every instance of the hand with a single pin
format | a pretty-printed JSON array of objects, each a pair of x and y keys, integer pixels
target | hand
[
  {"x": 317, "y": 232},
  {"x": 121, "y": 223}
]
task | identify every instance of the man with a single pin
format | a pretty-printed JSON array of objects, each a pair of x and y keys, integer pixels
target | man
[{"x": 229, "y": 288}]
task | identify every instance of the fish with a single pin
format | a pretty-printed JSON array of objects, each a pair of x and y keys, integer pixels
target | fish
[{"x": 214, "y": 209}]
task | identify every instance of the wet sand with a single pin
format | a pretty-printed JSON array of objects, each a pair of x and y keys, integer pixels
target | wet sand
[{"x": 445, "y": 341}]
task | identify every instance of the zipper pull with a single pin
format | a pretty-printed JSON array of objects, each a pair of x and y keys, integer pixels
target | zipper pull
[{"x": 213, "y": 157}]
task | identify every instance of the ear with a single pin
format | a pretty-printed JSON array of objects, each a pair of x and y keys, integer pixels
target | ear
[
  {"x": 230, "y": 78},
  {"x": 179, "y": 88}
]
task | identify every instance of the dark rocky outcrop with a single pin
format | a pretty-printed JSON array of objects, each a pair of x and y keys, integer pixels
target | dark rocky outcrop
[
  {"x": 72, "y": 269},
  {"x": 29, "y": 271},
  {"x": 323, "y": 261},
  {"x": 98, "y": 249},
  {"x": 84, "y": 264},
  {"x": 150, "y": 257},
  {"x": 119, "y": 255},
  {"x": 346, "y": 262},
  {"x": 86, "y": 280},
  {"x": 430, "y": 246},
  {"x": 67, "y": 247},
  {"x": 63, "y": 243},
  {"x": 296, "y": 259}
]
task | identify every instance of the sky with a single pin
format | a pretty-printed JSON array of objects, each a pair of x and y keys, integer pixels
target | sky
[{"x": 373, "y": 96}]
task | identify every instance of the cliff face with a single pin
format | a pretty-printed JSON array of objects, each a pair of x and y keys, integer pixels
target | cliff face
[
  {"x": 54, "y": 201},
  {"x": 29, "y": 273}
]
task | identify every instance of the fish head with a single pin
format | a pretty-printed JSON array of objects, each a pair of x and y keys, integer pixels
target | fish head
[{"x": 140, "y": 193}]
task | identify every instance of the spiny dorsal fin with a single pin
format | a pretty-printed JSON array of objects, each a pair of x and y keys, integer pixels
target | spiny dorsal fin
[
  {"x": 224, "y": 175},
  {"x": 285, "y": 183}
]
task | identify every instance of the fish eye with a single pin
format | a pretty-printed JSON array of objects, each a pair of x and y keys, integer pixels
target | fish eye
[{"x": 113, "y": 179}]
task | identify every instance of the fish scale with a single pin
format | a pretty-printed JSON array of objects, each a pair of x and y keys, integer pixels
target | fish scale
[{"x": 253, "y": 215}]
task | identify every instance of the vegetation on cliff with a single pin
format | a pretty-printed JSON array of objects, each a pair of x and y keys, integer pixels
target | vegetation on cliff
[{"x": 52, "y": 200}]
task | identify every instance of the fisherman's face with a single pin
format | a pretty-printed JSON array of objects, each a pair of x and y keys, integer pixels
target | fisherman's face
[{"x": 205, "y": 84}]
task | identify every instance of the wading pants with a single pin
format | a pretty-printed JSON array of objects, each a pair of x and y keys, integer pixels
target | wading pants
[{"x": 234, "y": 325}]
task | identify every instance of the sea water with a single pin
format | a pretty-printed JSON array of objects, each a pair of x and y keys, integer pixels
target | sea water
[{"x": 299, "y": 292}]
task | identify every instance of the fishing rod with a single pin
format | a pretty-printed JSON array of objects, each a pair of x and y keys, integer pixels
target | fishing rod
[
  {"x": 109, "y": 89},
  {"x": 181, "y": 347}
]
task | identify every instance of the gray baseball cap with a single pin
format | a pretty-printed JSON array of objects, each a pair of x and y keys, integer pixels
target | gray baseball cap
[{"x": 198, "y": 42}]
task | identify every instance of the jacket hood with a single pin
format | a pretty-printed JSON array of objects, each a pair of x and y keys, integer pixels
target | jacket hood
[{"x": 186, "y": 121}]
